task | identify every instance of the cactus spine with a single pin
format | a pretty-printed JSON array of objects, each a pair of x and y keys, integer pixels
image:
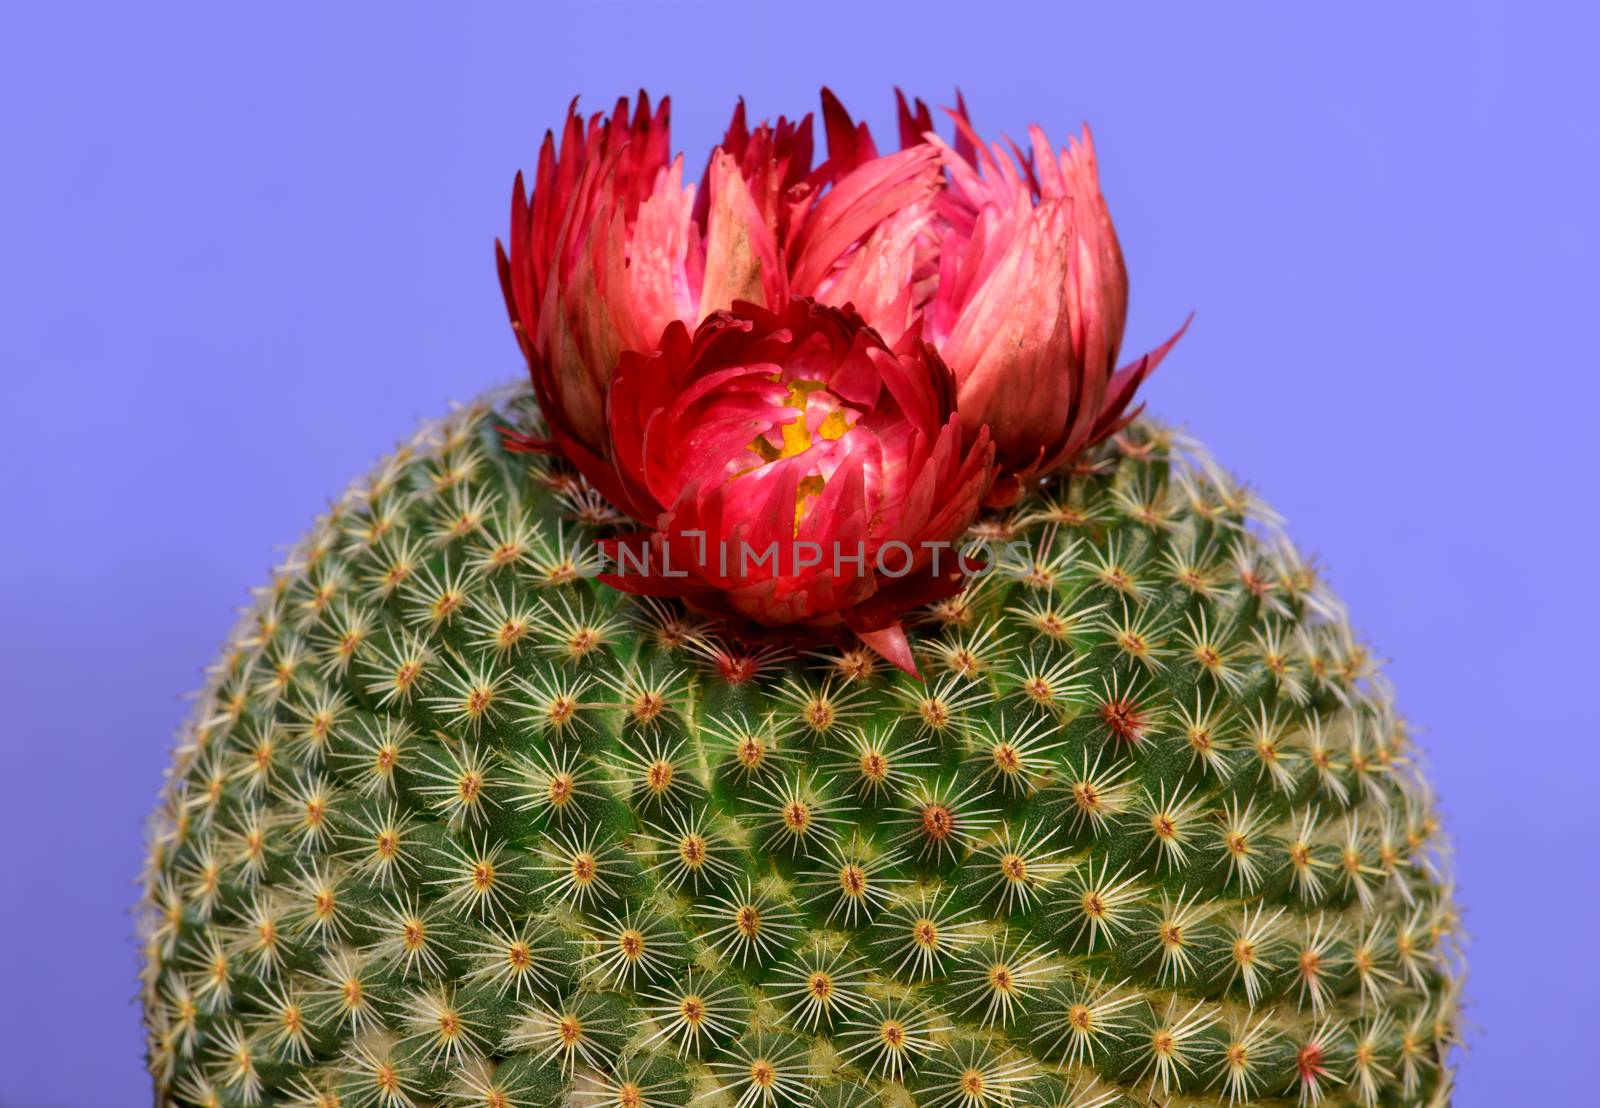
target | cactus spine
[{"x": 456, "y": 825}]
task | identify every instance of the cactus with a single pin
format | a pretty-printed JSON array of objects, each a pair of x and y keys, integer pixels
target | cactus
[{"x": 455, "y": 824}]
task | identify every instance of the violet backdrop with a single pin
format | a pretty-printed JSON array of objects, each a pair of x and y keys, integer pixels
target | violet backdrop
[{"x": 243, "y": 249}]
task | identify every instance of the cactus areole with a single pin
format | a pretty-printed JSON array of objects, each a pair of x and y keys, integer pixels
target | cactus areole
[{"x": 819, "y": 686}]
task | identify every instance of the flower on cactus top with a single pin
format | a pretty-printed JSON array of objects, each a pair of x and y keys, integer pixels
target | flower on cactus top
[
  {"x": 795, "y": 470},
  {"x": 676, "y": 338},
  {"x": 611, "y": 245}
]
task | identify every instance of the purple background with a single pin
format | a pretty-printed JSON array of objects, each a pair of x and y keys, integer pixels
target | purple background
[{"x": 241, "y": 254}]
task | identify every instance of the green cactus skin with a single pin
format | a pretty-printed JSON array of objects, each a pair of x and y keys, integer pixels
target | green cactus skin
[{"x": 455, "y": 825}]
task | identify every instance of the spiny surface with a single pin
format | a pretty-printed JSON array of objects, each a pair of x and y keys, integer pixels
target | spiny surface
[{"x": 456, "y": 825}]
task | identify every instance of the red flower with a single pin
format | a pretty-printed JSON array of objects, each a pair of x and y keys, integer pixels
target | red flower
[
  {"x": 795, "y": 470},
  {"x": 683, "y": 361},
  {"x": 611, "y": 246}
]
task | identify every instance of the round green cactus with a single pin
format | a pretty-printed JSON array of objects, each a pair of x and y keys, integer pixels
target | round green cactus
[{"x": 455, "y": 824}]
